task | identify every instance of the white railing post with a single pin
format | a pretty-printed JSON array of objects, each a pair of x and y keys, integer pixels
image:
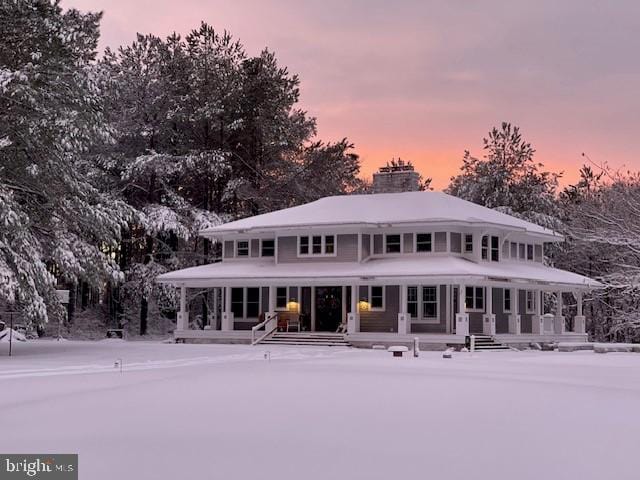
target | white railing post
[
  {"x": 473, "y": 343},
  {"x": 182, "y": 322},
  {"x": 462, "y": 318},
  {"x": 579, "y": 322}
]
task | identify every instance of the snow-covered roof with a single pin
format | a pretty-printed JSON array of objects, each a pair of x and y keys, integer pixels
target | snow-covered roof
[
  {"x": 384, "y": 209},
  {"x": 387, "y": 270}
]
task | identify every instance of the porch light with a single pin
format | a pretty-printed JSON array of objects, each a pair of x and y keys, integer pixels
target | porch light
[
  {"x": 363, "y": 306},
  {"x": 293, "y": 306}
]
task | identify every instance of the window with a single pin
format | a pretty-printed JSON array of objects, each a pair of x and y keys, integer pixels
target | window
[
  {"x": 529, "y": 252},
  {"x": 242, "y": 248},
  {"x": 531, "y": 301},
  {"x": 376, "y": 297},
  {"x": 495, "y": 249},
  {"x": 485, "y": 247},
  {"x": 412, "y": 301},
  {"x": 268, "y": 248},
  {"x": 514, "y": 251},
  {"x": 281, "y": 298},
  {"x": 304, "y": 246},
  {"x": 507, "y": 300},
  {"x": 468, "y": 243},
  {"x": 317, "y": 245},
  {"x": 237, "y": 302},
  {"x": 429, "y": 302},
  {"x": 521, "y": 252},
  {"x": 316, "y": 248},
  {"x": 394, "y": 244},
  {"x": 253, "y": 302},
  {"x": 474, "y": 298},
  {"x": 423, "y": 242}
]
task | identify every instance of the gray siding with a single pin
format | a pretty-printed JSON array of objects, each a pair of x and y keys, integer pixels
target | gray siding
[
  {"x": 366, "y": 246},
  {"x": 255, "y": 247},
  {"x": 456, "y": 242},
  {"x": 502, "y": 319},
  {"x": 475, "y": 322},
  {"x": 386, "y": 321},
  {"x": 347, "y": 250},
  {"x": 228, "y": 249},
  {"x": 265, "y": 299},
  {"x": 377, "y": 244},
  {"x": 525, "y": 318},
  {"x": 537, "y": 254},
  {"x": 440, "y": 242},
  {"x": 408, "y": 242}
]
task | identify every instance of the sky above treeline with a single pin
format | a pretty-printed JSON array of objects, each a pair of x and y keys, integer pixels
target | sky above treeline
[{"x": 425, "y": 80}]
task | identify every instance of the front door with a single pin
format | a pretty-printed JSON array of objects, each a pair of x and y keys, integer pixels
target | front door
[{"x": 328, "y": 308}]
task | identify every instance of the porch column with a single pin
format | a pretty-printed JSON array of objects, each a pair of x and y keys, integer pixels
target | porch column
[
  {"x": 272, "y": 299},
  {"x": 182, "y": 322},
  {"x": 579, "y": 323},
  {"x": 227, "y": 315},
  {"x": 353, "y": 319},
  {"x": 403, "y": 317},
  {"x": 447, "y": 307},
  {"x": 462, "y": 318},
  {"x": 343, "y": 303},
  {"x": 213, "y": 322},
  {"x": 558, "y": 319},
  {"x": 489, "y": 319},
  {"x": 514, "y": 318},
  {"x": 537, "y": 319}
]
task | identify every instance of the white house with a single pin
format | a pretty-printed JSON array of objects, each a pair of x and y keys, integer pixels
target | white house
[{"x": 384, "y": 268}]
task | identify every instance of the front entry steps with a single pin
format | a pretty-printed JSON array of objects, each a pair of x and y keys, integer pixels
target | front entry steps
[
  {"x": 486, "y": 343},
  {"x": 314, "y": 339}
]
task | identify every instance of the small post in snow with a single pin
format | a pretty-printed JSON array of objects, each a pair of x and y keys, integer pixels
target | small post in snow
[
  {"x": 416, "y": 347},
  {"x": 473, "y": 344},
  {"x": 10, "y": 331}
]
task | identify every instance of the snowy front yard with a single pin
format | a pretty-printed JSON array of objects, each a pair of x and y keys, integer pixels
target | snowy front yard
[{"x": 223, "y": 411}]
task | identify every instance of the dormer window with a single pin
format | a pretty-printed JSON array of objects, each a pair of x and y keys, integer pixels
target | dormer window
[
  {"x": 529, "y": 252},
  {"x": 317, "y": 245},
  {"x": 303, "y": 248},
  {"x": 485, "y": 247},
  {"x": 423, "y": 242},
  {"x": 268, "y": 248},
  {"x": 394, "y": 243},
  {"x": 495, "y": 249},
  {"x": 329, "y": 244},
  {"x": 242, "y": 248}
]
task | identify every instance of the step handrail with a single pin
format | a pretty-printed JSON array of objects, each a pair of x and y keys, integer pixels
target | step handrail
[{"x": 270, "y": 324}]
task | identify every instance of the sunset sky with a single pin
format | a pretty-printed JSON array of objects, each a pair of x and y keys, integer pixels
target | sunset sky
[{"x": 425, "y": 80}]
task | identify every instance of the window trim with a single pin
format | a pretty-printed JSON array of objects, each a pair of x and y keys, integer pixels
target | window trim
[
  {"x": 274, "y": 247},
  {"x": 323, "y": 245},
  {"x": 384, "y": 244},
  {"x": 235, "y": 248},
  {"x": 384, "y": 299}
]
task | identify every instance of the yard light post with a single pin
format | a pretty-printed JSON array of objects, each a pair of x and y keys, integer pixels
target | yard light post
[{"x": 10, "y": 330}]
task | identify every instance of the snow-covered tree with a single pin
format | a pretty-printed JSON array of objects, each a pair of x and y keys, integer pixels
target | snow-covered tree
[{"x": 57, "y": 225}]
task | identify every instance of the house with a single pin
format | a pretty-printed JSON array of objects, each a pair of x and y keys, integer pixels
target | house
[{"x": 387, "y": 266}]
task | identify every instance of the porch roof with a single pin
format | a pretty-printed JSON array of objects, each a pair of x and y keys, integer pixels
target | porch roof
[{"x": 383, "y": 271}]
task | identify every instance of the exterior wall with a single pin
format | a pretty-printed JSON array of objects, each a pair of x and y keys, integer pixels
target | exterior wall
[
  {"x": 228, "y": 249},
  {"x": 377, "y": 243},
  {"x": 456, "y": 242},
  {"x": 382, "y": 321},
  {"x": 525, "y": 318},
  {"x": 347, "y": 250},
  {"x": 475, "y": 322},
  {"x": 440, "y": 242},
  {"x": 435, "y": 327},
  {"x": 408, "y": 243},
  {"x": 255, "y": 247},
  {"x": 502, "y": 319},
  {"x": 537, "y": 253},
  {"x": 366, "y": 246}
]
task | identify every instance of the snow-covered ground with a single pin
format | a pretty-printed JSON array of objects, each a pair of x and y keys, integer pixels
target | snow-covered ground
[{"x": 223, "y": 411}]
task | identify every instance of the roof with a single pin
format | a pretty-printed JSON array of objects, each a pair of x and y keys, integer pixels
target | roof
[
  {"x": 387, "y": 270},
  {"x": 383, "y": 209}
]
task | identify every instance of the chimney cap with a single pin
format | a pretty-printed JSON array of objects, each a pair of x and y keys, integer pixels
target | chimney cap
[{"x": 396, "y": 166}]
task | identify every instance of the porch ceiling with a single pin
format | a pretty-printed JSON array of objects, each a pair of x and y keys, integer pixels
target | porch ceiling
[{"x": 382, "y": 271}]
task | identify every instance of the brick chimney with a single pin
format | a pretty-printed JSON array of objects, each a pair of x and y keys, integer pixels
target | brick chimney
[{"x": 397, "y": 176}]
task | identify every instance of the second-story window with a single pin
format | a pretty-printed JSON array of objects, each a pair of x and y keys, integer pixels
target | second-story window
[
  {"x": 468, "y": 243},
  {"x": 495, "y": 249},
  {"x": 242, "y": 248},
  {"x": 268, "y": 248},
  {"x": 317, "y": 245},
  {"x": 485, "y": 247},
  {"x": 423, "y": 242},
  {"x": 529, "y": 252},
  {"x": 393, "y": 243}
]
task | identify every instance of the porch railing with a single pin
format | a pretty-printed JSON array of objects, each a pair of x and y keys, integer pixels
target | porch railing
[{"x": 270, "y": 324}]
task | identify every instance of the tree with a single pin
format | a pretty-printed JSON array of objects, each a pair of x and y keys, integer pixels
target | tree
[
  {"x": 57, "y": 225},
  {"x": 507, "y": 178}
]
